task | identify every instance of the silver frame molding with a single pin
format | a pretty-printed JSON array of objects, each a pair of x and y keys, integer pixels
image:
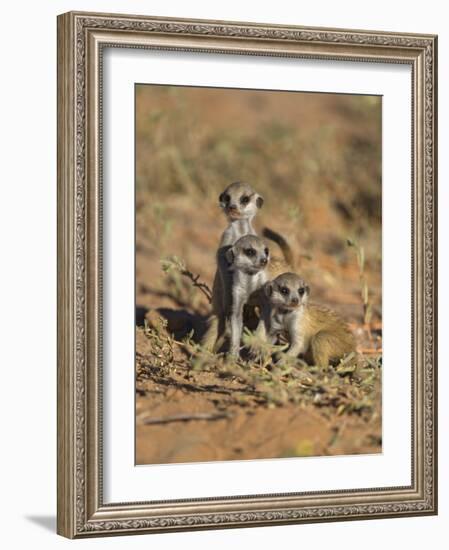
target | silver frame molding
[{"x": 81, "y": 39}]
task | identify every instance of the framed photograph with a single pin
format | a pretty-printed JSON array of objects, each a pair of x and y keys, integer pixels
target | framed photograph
[{"x": 246, "y": 274}]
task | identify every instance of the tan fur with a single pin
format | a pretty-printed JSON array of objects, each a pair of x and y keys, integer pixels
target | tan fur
[
  {"x": 277, "y": 266},
  {"x": 327, "y": 336}
]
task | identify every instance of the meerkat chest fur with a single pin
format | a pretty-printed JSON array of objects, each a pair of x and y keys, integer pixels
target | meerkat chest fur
[
  {"x": 244, "y": 284},
  {"x": 288, "y": 321},
  {"x": 235, "y": 230}
]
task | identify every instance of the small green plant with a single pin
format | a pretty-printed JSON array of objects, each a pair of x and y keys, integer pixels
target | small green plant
[
  {"x": 367, "y": 304},
  {"x": 261, "y": 352},
  {"x": 162, "y": 355}
]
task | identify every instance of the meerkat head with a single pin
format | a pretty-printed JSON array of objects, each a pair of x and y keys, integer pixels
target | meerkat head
[
  {"x": 240, "y": 201},
  {"x": 287, "y": 291},
  {"x": 249, "y": 254}
]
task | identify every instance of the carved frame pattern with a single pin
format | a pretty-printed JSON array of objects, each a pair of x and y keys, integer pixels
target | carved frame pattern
[{"x": 81, "y": 38}]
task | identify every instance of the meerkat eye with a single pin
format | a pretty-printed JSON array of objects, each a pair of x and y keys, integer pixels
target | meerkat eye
[
  {"x": 225, "y": 197},
  {"x": 285, "y": 291},
  {"x": 249, "y": 252},
  {"x": 244, "y": 199},
  {"x": 301, "y": 291},
  {"x": 266, "y": 251}
]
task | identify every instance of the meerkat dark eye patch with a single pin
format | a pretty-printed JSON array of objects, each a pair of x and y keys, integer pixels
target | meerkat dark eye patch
[
  {"x": 229, "y": 256},
  {"x": 301, "y": 291},
  {"x": 224, "y": 197},
  {"x": 250, "y": 252},
  {"x": 284, "y": 290},
  {"x": 244, "y": 199},
  {"x": 266, "y": 251}
]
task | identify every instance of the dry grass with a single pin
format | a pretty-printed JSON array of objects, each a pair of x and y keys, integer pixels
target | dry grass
[{"x": 352, "y": 386}]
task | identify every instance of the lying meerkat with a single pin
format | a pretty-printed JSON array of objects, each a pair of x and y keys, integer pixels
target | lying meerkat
[
  {"x": 315, "y": 332},
  {"x": 246, "y": 274}
]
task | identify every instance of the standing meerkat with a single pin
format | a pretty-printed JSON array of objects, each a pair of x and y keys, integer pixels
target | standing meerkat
[
  {"x": 246, "y": 274},
  {"x": 240, "y": 204},
  {"x": 315, "y": 332}
]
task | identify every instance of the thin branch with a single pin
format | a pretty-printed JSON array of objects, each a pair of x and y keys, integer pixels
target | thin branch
[
  {"x": 176, "y": 264},
  {"x": 202, "y": 286},
  {"x": 187, "y": 417}
]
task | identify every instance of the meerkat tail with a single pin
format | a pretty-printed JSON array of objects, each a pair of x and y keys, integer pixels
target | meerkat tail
[{"x": 281, "y": 242}]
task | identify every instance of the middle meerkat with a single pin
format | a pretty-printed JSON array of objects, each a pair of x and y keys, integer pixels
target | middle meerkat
[{"x": 245, "y": 276}]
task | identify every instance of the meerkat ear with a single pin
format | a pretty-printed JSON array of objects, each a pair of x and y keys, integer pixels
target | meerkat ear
[
  {"x": 259, "y": 201},
  {"x": 268, "y": 288},
  {"x": 229, "y": 255}
]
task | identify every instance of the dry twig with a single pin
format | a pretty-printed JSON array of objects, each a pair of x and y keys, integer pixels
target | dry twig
[
  {"x": 187, "y": 417},
  {"x": 174, "y": 263}
]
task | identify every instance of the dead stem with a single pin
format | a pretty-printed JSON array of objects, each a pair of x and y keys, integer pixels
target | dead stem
[
  {"x": 174, "y": 263},
  {"x": 187, "y": 417}
]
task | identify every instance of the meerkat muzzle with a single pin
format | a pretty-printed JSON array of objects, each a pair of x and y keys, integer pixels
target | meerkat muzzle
[{"x": 232, "y": 212}]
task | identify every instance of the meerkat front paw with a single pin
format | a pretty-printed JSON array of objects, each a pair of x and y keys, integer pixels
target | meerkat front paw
[{"x": 232, "y": 356}]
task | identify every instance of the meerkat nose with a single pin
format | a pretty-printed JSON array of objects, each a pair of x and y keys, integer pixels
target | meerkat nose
[
  {"x": 263, "y": 261},
  {"x": 295, "y": 300}
]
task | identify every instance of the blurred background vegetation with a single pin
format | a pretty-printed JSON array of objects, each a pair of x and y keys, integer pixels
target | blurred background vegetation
[{"x": 316, "y": 159}]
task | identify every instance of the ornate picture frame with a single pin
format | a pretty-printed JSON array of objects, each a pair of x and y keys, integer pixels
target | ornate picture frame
[{"x": 82, "y": 38}]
